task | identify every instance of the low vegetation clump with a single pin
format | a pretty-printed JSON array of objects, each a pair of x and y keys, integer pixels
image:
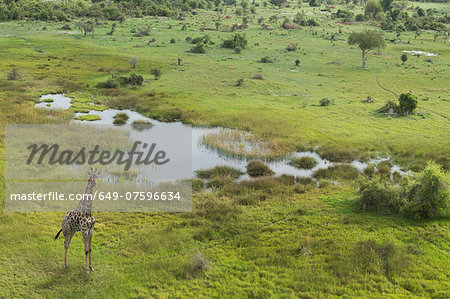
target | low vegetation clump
[
  {"x": 258, "y": 77},
  {"x": 219, "y": 171},
  {"x": 120, "y": 118},
  {"x": 237, "y": 41},
  {"x": 117, "y": 81},
  {"x": 384, "y": 168},
  {"x": 256, "y": 168},
  {"x": 89, "y": 117},
  {"x": 85, "y": 108},
  {"x": 13, "y": 75},
  {"x": 142, "y": 125},
  {"x": 167, "y": 115},
  {"x": 336, "y": 154},
  {"x": 197, "y": 265},
  {"x": 425, "y": 196},
  {"x": 326, "y": 102},
  {"x": 266, "y": 59},
  {"x": 198, "y": 48},
  {"x": 337, "y": 172},
  {"x": 303, "y": 162}
]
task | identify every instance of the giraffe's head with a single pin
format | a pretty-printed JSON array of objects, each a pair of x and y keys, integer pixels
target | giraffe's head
[{"x": 93, "y": 177}]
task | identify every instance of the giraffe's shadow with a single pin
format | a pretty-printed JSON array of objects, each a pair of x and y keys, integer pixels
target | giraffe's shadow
[{"x": 73, "y": 276}]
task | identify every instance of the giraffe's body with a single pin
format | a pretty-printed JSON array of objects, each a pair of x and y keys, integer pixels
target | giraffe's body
[{"x": 81, "y": 219}]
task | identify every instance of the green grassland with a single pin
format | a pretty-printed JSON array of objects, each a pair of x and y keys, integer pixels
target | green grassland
[{"x": 275, "y": 238}]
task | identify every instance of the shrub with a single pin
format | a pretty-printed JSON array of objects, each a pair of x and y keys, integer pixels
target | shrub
[
  {"x": 172, "y": 41},
  {"x": 407, "y": 103},
  {"x": 429, "y": 196},
  {"x": 297, "y": 62},
  {"x": 219, "y": 171},
  {"x": 265, "y": 59},
  {"x": 118, "y": 81},
  {"x": 292, "y": 47},
  {"x": 303, "y": 162},
  {"x": 240, "y": 82},
  {"x": 120, "y": 118},
  {"x": 384, "y": 168},
  {"x": 375, "y": 196},
  {"x": 237, "y": 50},
  {"x": 258, "y": 77},
  {"x": 198, "y": 48},
  {"x": 369, "y": 170},
  {"x": 196, "y": 266},
  {"x": 257, "y": 168},
  {"x": 325, "y": 102},
  {"x": 13, "y": 75},
  {"x": 156, "y": 73},
  {"x": 237, "y": 41}
]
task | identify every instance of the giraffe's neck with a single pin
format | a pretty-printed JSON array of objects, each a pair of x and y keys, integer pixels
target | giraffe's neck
[{"x": 85, "y": 204}]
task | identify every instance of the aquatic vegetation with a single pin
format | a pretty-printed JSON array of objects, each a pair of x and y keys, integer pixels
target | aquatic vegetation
[
  {"x": 256, "y": 168},
  {"x": 141, "y": 125},
  {"x": 85, "y": 108},
  {"x": 120, "y": 119},
  {"x": 219, "y": 171},
  {"x": 88, "y": 117},
  {"x": 337, "y": 172},
  {"x": 244, "y": 144},
  {"x": 303, "y": 162}
]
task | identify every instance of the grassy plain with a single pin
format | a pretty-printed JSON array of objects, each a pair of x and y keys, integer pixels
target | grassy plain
[{"x": 263, "y": 238}]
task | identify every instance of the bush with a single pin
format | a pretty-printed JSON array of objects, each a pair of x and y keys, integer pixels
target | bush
[
  {"x": 120, "y": 118},
  {"x": 265, "y": 59},
  {"x": 237, "y": 41},
  {"x": 13, "y": 75},
  {"x": 219, "y": 171},
  {"x": 337, "y": 154},
  {"x": 384, "y": 168},
  {"x": 196, "y": 266},
  {"x": 156, "y": 73},
  {"x": 256, "y": 168},
  {"x": 426, "y": 196},
  {"x": 303, "y": 162},
  {"x": 376, "y": 196},
  {"x": 118, "y": 81},
  {"x": 407, "y": 103},
  {"x": 325, "y": 102},
  {"x": 292, "y": 47},
  {"x": 258, "y": 77},
  {"x": 429, "y": 196},
  {"x": 369, "y": 170},
  {"x": 199, "y": 48}
]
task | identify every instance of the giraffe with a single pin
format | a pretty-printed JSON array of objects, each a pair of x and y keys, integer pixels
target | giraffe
[{"x": 81, "y": 219}]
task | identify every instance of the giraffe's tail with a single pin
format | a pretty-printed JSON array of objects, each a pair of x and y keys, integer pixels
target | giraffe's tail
[{"x": 57, "y": 235}]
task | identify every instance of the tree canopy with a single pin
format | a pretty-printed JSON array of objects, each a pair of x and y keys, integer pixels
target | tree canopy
[{"x": 367, "y": 40}]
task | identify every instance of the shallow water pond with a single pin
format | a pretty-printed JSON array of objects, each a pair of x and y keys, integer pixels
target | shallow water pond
[{"x": 203, "y": 156}]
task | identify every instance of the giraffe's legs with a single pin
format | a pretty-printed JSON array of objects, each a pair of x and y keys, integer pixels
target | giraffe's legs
[
  {"x": 90, "y": 249},
  {"x": 67, "y": 238},
  {"x": 86, "y": 248}
]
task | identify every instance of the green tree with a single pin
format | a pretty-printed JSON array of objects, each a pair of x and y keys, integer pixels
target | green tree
[
  {"x": 156, "y": 73},
  {"x": 372, "y": 8},
  {"x": 408, "y": 102},
  {"x": 404, "y": 58},
  {"x": 366, "y": 41}
]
